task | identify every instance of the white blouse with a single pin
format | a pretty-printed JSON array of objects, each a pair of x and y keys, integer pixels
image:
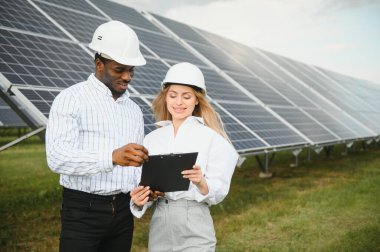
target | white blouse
[{"x": 216, "y": 157}]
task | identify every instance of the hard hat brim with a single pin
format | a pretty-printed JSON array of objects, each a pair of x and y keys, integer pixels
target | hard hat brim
[{"x": 137, "y": 61}]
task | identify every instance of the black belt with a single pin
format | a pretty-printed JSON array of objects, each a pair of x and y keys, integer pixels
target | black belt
[{"x": 84, "y": 195}]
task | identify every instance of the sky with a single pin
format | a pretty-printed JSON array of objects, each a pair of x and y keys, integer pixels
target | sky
[{"x": 339, "y": 35}]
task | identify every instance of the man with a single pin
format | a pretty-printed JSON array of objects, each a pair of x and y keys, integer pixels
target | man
[{"x": 93, "y": 140}]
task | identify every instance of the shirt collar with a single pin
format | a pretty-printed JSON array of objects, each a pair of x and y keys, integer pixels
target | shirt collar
[
  {"x": 190, "y": 119},
  {"x": 100, "y": 86}
]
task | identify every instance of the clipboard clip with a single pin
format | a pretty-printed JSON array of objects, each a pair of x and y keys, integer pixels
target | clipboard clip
[{"x": 175, "y": 154}]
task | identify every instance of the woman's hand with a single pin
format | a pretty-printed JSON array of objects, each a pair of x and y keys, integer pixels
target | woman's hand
[
  {"x": 196, "y": 177},
  {"x": 140, "y": 195}
]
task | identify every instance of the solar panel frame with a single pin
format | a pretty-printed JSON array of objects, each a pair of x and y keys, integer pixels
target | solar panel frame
[{"x": 8, "y": 117}]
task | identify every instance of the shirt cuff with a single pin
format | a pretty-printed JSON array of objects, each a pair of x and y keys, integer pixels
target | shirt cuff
[
  {"x": 208, "y": 198},
  {"x": 138, "y": 211}
]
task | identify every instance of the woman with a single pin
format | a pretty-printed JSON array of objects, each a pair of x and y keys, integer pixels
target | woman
[{"x": 181, "y": 221}]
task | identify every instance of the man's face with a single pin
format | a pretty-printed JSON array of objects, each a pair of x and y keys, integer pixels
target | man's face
[{"x": 114, "y": 75}]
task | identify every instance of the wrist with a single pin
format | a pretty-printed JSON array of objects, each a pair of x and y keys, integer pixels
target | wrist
[{"x": 202, "y": 186}]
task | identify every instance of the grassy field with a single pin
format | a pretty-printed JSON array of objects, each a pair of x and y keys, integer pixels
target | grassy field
[{"x": 324, "y": 205}]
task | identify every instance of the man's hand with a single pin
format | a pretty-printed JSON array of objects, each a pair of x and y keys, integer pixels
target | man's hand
[
  {"x": 155, "y": 194},
  {"x": 130, "y": 155}
]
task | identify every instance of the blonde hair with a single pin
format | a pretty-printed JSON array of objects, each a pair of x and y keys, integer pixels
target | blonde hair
[{"x": 203, "y": 109}]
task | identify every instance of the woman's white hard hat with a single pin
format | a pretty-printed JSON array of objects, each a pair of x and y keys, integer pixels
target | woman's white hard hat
[
  {"x": 119, "y": 42},
  {"x": 185, "y": 73}
]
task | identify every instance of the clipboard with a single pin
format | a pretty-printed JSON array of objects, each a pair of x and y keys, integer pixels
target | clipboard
[{"x": 163, "y": 172}]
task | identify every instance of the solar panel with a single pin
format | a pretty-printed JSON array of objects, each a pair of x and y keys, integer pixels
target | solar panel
[
  {"x": 78, "y": 6},
  {"x": 306, "y": 125},
  {"x": 9, "y": 118},
  {"x": 264, "y": 124},
  {"x": 220, "y": 89},
  {"x": 125, "y": 14},
  {"x": 329, "y": 91},
  {"x": 241, "y": 138},
  {"x": 367, "y": 92},
  {"x": 262, "y": 105},
  {"x": 19, "y": 14},
  {"x": 264, "y": 79},
  {"x": 147, "y": 79},
  {"x": 167, "y": 48},
  {"x": 38, "y": 61},
  {"x": 147, "y": 112},
  {"x": 332, "y": 124},
  {"x": 42, "y": 99},
  {"x": 245, "y": 55},
  {"x": 260, "y": 89},
  {"x": 81, "y": 26}
]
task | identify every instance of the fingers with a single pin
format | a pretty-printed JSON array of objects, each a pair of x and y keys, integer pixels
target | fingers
[
  {"x": 130, "y": 155},
  {"x": 194, "y": 175},
  {"x": 139, "y": 148},
  {"x": 140, "y": 194},
  {"x": 155, "y": 194}
]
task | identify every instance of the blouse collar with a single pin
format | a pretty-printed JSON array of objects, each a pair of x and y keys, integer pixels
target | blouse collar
[{"x": 190, "y": 119}]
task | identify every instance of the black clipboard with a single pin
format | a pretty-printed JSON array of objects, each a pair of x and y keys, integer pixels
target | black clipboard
[{"x": 163, "y": 172}]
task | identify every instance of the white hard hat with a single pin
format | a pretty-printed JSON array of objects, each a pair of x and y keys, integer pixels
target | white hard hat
[
  {"x": 119, "y": 42},
  {"x": 185, "y": 73}
]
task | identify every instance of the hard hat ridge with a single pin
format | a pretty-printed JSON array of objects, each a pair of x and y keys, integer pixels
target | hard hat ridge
[{"x": 119, "y": 42}]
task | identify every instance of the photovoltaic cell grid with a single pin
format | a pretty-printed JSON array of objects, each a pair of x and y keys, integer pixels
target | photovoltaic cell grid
[
  {"x": 81, "y": 26},
  {"x": 332, "y": 124},
  {"x": 166, "y": 47},
  {"x": 354, "y": 125},
  {"x": 147, "y": 79},
  {"x": 264, "y": 124},
  {"x": 148, "y": 114},
  {"x": 260, "y": 89},
  {"x": 306, "y": 125},
  {"x": 239, "y": 136},
  {"x": 367, "y": 92},
  {"x": 9, "y": 118},
  {"x": 333, "y": 88},
  {"x": 220, "y": 89},
  {"x": 244, "y": 55},
  {"x": 19, "y": 14},
  {"x": 125, "y": 14},
  {"x": 78, "y": 5},
  {"x": 37, "y": 61},
  {"x": 288, "y": 91},
  {"x": 344, "y": 104},
  {"x": 42, "y": 99}
]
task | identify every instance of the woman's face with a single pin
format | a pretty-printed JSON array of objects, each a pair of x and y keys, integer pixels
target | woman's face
[{"x": 180, "y": 101}]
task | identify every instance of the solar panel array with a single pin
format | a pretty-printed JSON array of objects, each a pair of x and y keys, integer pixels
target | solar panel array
[{"x": 267, "y": 102}]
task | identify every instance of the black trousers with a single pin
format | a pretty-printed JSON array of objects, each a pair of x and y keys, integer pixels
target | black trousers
[{"x": 94, "y": 223}]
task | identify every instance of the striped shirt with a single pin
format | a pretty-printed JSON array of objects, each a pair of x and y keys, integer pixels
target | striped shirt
[{"x": 85, "y": 125}]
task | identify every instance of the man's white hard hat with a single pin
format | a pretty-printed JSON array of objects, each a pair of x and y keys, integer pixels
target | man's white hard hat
[
  {"x": 117, "y": 41},
  {"x": 185, "y": 73}
]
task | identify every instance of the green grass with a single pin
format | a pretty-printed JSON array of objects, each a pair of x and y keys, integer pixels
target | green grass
[{"x": 328, "y": 204}]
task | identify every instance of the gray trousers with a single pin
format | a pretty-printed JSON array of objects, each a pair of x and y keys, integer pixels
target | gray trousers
[{"x": 181, "y": 225}]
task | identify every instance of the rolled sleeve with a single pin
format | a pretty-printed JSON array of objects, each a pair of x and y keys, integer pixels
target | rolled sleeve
[
  {"x": 220, "y": 168},
  {"x": 105, "y": 161}
]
